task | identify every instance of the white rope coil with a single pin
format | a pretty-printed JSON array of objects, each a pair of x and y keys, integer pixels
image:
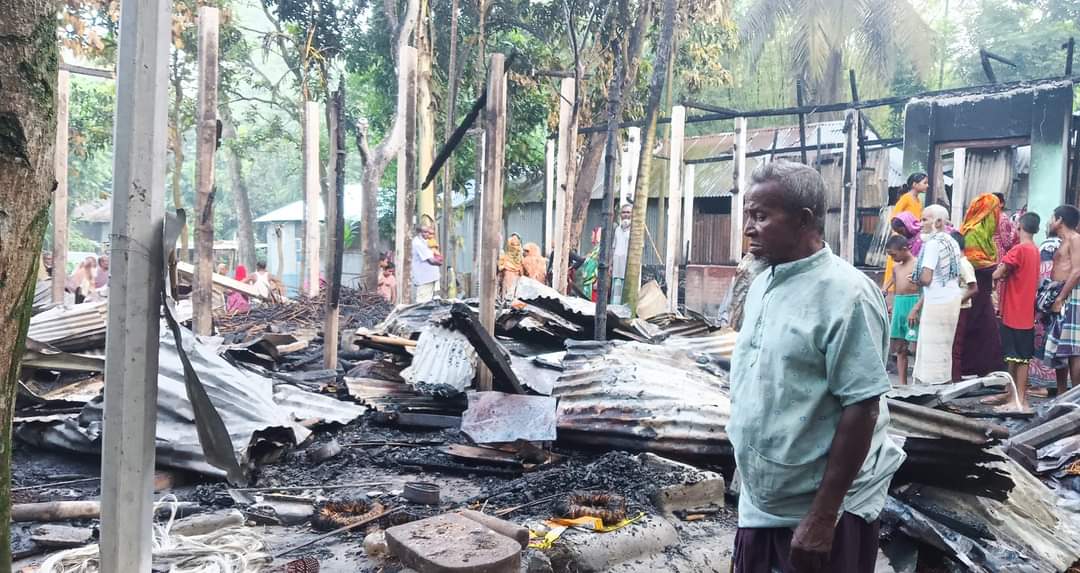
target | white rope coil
[{"x": 228, "y": 550}]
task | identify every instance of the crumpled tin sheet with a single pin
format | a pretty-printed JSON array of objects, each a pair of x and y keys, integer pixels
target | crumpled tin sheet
[
  {"x": 408, "y": 321},
  {"x": 642, "y": 397},
  {"x": 71, "y": 328},
  {"x": 535, "y": 292},
  {"x": 251, "y": 408},
  {"x": 443, "y": 363},
  {"x": 496, "y": 417},
  {"x": 1026, "y": 531}
]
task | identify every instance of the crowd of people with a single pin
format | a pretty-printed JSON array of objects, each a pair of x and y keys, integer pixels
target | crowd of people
[
  {"x": 515, "y": 261},
  {"x": 984, "y": 297}
]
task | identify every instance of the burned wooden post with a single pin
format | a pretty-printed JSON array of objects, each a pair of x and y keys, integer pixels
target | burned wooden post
[
  {"x": 60, "y": 195},
  {"x": 855, "y": 100},
  {"x": 312, "y": 198},
  {"x": 611, "y": 151},
  {"x": 688, "y": 212},
  {"x": 202, "y": 287},
  {"x": 848, "y": 203},
  {"x": 802, "y": 119},
  {"x": 674, "y": 213},
  {"x": 1069, "y": 47},
  {"x": 495, "y": 361},
  {"x": 136, "y": 284},
  {"x": 549, "y": 196},
  {"x": 737, "y": 191},
  {"x": 564, "y": 192},
  {"x": 406, "y": 178},
  {"x": 335, "y": 227},
  {"x": 494, "y": 155}
]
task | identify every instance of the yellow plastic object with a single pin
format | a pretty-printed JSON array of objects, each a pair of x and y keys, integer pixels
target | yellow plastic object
[{"x": 558, "y": 526}]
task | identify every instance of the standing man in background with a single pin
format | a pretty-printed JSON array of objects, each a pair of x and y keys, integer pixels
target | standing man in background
[
  {"x": 808, "y": 422},
  {"x": 620, "y": 250},
  {"x": 425, "y": 265}
]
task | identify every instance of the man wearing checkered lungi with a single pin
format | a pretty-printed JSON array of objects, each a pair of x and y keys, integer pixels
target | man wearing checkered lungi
[{"x": 1063, "y": 333}]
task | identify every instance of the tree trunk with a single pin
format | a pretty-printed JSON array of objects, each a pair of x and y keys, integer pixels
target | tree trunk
[
  {"x": 245, "y": 229},
  {"x": 178, "y": 148},
  {"x": 586, "y": 181},
  {"x": 452, "y": 72},
  {"x": 29, "y": 63},
  {"x": 376, "y": 160},
  {"x": 641, "y": 193},
  {"x": 425, "y": 107},
  {"x": 831, "y": 86}
]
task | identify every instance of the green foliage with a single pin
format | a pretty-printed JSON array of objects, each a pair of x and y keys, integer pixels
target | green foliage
[
  {"x": 90, "y": 139},
  {"x": 1031, "y": 34}
]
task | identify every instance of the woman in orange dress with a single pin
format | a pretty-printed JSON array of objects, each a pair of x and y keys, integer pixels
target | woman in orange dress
[{"x": 910, "y": 201}]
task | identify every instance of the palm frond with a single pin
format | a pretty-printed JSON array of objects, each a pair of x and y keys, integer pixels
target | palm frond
[
  {"x": 760, "y": 22},
  {"x": 888, "y": 28}
]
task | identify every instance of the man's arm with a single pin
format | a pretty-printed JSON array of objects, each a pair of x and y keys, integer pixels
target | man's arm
[
  {"x": 813, "y": 539},
  {"x": 1074, "y": 276},
  {"x": 1001, "y": 271},
  {"x": 972, "y": 290}
]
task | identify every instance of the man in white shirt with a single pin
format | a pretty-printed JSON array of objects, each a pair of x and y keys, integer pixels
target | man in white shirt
[
  {"x": 425, "y": 265},
  {"x": 620, "y": 250}
]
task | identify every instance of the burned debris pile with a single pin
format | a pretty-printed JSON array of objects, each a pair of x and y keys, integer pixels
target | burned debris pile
[{"x": 575, "y": 437}]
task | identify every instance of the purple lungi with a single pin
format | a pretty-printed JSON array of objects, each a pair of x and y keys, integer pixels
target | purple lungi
[
  {"x": 982, "y": 339},
  {"x": 765, "y": 550}
]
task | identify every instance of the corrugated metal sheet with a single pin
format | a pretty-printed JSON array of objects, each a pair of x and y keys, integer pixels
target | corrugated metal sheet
[
  {"x": 246, "y": 402},
  {"x": 634, "y": 395},
  {"x": 71, "y": 328},
  {"x": 443, "y": 363}
]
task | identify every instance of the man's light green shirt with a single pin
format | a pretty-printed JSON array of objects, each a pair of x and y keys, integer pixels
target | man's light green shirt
[{"x": 814, "y": 340}]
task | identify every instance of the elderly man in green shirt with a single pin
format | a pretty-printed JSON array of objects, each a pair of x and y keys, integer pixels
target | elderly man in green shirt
[{"x": 808, "y": 423}]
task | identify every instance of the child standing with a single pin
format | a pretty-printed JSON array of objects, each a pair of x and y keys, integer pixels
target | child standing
[
  {"x": 388, "y": 283},
  {"x": 1019, "y": 271},
  {"x": 903, "y": 330}
]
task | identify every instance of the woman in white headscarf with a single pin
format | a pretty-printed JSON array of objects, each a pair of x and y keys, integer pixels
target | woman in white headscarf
[{"x": 937, "y": 272}]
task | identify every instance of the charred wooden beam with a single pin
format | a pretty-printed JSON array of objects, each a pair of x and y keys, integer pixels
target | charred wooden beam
[{"x": 487, "y": 348}]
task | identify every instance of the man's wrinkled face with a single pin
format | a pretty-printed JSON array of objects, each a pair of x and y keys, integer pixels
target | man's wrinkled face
[{"x": 773, "y": 230}]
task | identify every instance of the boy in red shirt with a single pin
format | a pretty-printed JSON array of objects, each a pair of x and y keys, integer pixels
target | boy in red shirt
[{"x": 1020, "y": 271}]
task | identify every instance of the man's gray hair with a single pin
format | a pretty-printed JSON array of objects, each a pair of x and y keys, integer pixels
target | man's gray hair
[
  {"x": 936, "y": 214},
  {"x": 802, "y": 186}
]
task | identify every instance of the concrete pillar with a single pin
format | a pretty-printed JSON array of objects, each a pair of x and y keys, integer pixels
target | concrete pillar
[
  {"x": 135, "y": 286},
  {"x": 674, "y": 212}
]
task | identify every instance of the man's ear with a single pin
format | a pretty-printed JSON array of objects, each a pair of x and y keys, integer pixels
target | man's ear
[{"x": 806, "y": 218}]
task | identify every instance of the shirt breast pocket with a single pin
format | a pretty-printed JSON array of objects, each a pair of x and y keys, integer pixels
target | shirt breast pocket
[{"x": 779, "y": 488}]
